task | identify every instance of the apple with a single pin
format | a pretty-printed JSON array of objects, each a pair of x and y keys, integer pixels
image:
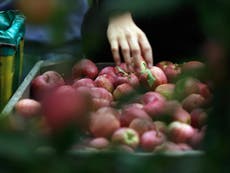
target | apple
[
  {"x": 171, "y": 106},
  {"x": 108, "y": 70},
  {"x": 28, "y": 108},
  {"x": 99, "y": 143},
  {"x": 182, "y": 115},
  {"x": 155, "y": 108},
  {"x": 64, "y": 107},
  {"x": 84, "y": 68},
  {"x": 131, "y": 79},
  {"x": 105, "y": 81},
  {"x": 180, "y": 132},
  {"x": 130, "y": 113},
  {"x": 159, "y": 78},
  {"x": 103, "y": 124},
  {"x": 205, "y": 91},
  {"x": 193, "y": 101},
  {"x": 171, "y": 70},
  {"x": 192, "y": 66},
  {"x": 172, "y": 147},
  {"x": 126, "y": 136},
  {"x": 151, "y": 96},
  {"x": 44, "y": 84},
  {"x": 100, "y": 97},
  {"x": 122, "y": 90},
  {"x": 185, "y": 87},
  {"x": 198, "y": 117},
  {"x": 166, "y": 90},
  {"x": 141, "y": 125},
  {"x": 151, "y": 139},
  {"x": 197, "y": 138},
  {"x": 87, "y": 82},
  {"x": 160, "y": 126}
]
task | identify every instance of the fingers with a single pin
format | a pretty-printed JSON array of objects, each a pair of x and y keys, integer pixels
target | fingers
[
  {"x": 146, "y": 49},
  {"x": 115, "y": 51},
  {"x": 125, "y": 49},
  {"x": 135, "y": 50}
]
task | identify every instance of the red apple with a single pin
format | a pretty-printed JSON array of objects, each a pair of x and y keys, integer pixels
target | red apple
[
  {"x": 158, "y": 75},
  {"x": 155, "y": 108},
  {"x": 151, "y": 97},
  {"x": 28, "y": 108},
  {"x": 126, "y": 136},
  {"x": 193, "y": 101},
  {"x": 172, "y": 147},
  {"x": 103, "y": 124},
  {"x": 197, "y": 138},
  {"x": 182, "y": 115},
  {"x": 180, "y": 132},
  {"x": 198, "y": 118},
  {"x": 160, "y": 126},
  {"x": 44, "y": 84},
  {"x": 108, "y": 70},
  {"x": 100, "y": 97},
  {"x": 130, "y": 113},
  {"x": 131, "y": 79},
  {"x": 151, "y": 139},
  {"x": 172, "y": 71},
  {"x": 99, "y": 143},
  {"x": 192, "y": 66},
  {"x": 166, "y": 90},
  {"x": 105, "y": 81},
  {"x": 185, "y": 87},
  {"x": 122, "y": 90},
  {"x": 64, "y": 107},
  {"x": 84, "y": 82},
  {"x": 84, "y": 68},
  {"x": 141, "y": 125}
]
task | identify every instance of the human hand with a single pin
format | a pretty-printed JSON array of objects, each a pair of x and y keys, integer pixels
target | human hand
[{"x": 124, "y": 34}]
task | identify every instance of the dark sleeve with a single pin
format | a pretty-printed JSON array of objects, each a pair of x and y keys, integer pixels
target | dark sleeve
[{"x": 6, "y": 5}]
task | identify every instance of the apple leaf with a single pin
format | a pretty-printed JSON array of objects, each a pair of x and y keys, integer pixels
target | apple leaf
[{"x": 150, "y": 78}]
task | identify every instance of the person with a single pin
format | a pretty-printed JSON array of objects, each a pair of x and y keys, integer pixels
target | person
[{"x": 172, "y": 30}]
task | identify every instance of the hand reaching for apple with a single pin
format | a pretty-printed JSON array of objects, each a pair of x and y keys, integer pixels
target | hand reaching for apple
[{"x": 124, "y": 34}]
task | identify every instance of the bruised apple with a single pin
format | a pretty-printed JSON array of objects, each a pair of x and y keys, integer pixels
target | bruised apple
[
  {"x": 28, "y": 108},
  {"x": 44, "y": 84},
  {"x": 84, "y": 68},
  {"x": 126, "y": 136}
]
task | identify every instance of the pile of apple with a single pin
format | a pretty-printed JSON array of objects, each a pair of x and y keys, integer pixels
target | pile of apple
[{"x": 169, "y": 116}]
